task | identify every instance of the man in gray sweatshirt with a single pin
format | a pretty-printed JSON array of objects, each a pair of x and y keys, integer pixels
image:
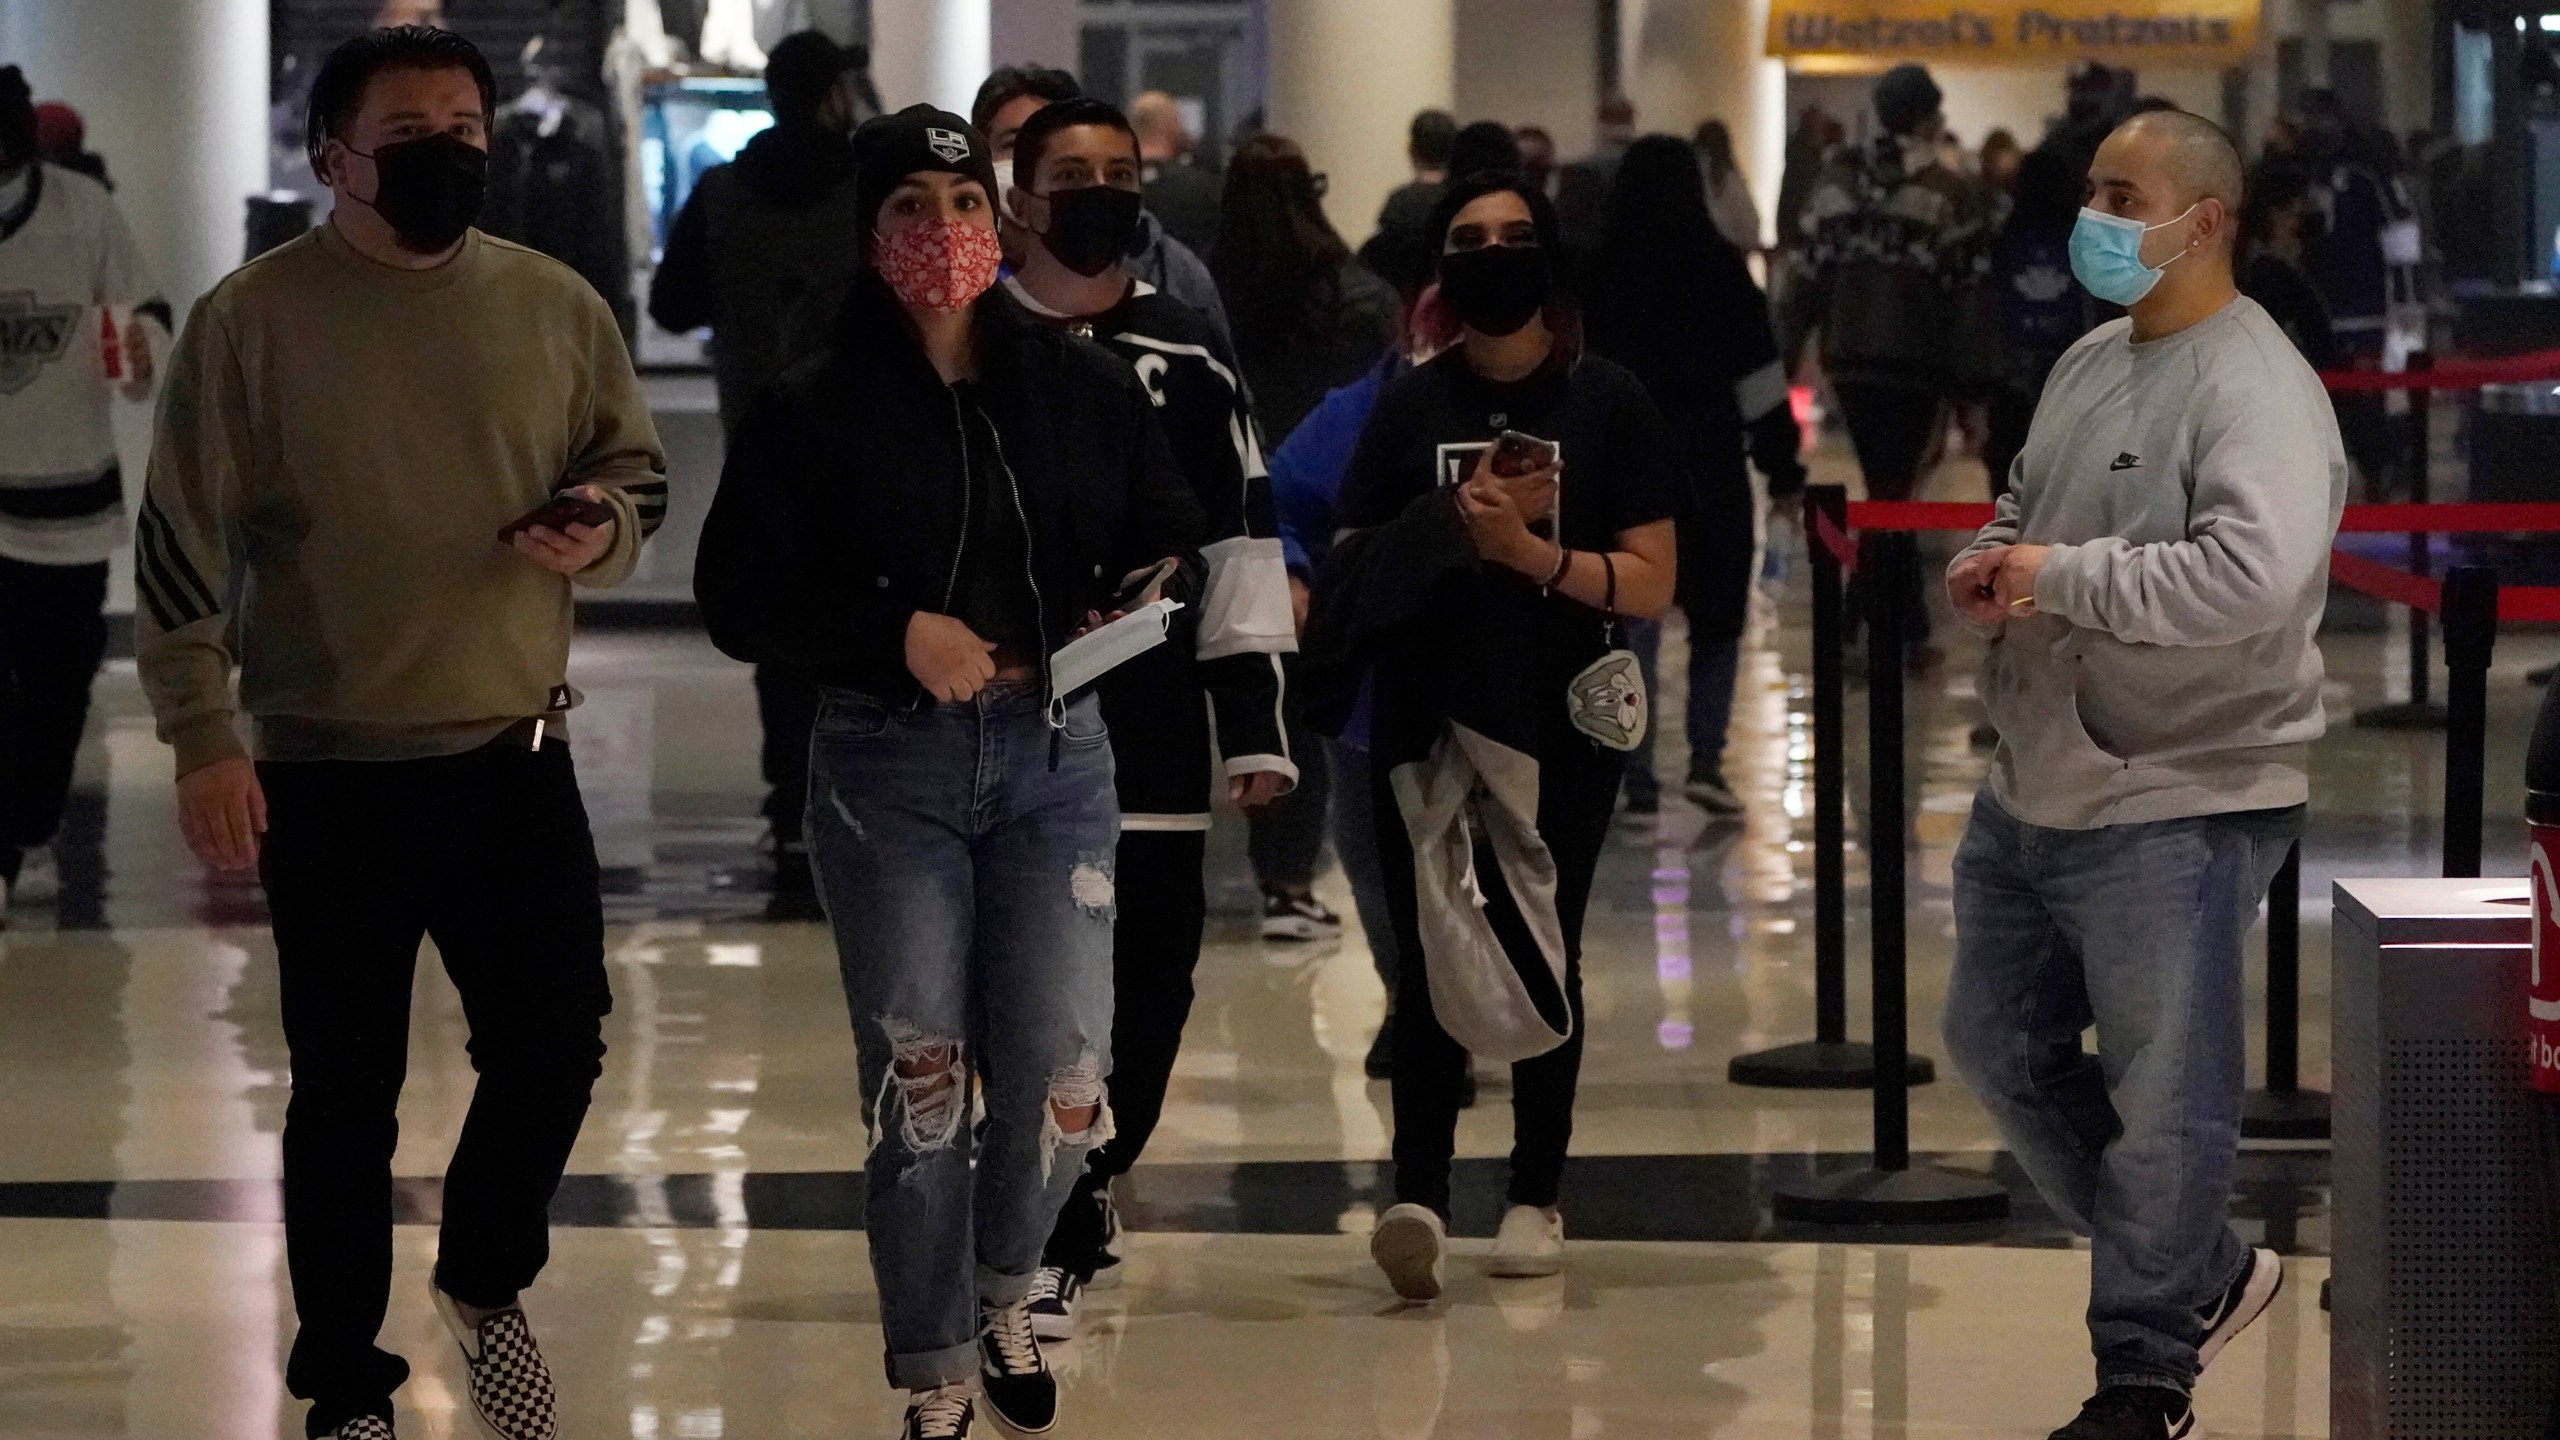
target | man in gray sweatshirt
[{"x": 2152, "y": 588}]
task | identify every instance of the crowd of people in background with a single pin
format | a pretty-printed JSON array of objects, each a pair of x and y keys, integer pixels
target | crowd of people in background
[{"x": 991, "y": 383}]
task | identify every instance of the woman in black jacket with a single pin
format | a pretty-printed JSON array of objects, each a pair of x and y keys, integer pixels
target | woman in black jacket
[
  {"x": 1308, "y": 319},
  {"x": 1672, "y": 300},
  {"x": 1483, "y": 603},
  {"x": 916, "y": 518}
]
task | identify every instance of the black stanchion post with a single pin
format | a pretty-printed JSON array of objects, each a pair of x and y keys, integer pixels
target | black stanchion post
[
  {"x": 2283, "y": 1110},
  {"x": 2470, "y": 635},
  {"x": 1889, "y": 1192},
  {"x": 2420, "y": 712},
  {"x": 1828, "y": 1061}
]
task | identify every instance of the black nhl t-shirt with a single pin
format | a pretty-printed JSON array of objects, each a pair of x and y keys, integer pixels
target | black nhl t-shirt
[{"x": 1620, "y": 470}]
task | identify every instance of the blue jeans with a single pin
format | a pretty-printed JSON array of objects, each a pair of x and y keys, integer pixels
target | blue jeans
[
  {"x": 2138, "y": 930},
  {"x": 1713, "y": 664},
  {"x": 971, "y": 891}
]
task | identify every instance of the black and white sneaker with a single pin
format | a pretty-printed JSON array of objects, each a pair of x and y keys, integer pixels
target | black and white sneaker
[
  {"x": 944, "y": 1414},
  {"x": 1054, "y": 1293},
  {"x": 363, "y": 1427},
  {"x": 1021, "y": 1393},
  {"x": 511, "y": 1393},
  {"x": 2241, "y": 1305},
  {"x": 2132, "y": 1412},
  {"x": 1298, "y": 918}
]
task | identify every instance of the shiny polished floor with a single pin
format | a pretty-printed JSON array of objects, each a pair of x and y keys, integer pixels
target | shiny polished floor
[{"x": 709, "y": 1278}]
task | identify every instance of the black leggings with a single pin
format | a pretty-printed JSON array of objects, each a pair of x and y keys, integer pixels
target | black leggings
[{"x": 1577, "y": 791}]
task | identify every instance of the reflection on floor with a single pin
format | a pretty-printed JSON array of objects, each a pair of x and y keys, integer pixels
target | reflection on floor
[
  {"x": 709, "y": 1281},
  {"x": 146, "y": 1328}
]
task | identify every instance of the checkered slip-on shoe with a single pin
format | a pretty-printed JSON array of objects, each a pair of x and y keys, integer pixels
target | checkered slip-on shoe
[
  {"x": 510, "y": 1386},
  {"x": 363, "y": 1427}
]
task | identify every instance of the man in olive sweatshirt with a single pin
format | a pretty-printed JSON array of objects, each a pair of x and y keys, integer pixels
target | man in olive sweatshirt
[{"x": 350, "y": 421}]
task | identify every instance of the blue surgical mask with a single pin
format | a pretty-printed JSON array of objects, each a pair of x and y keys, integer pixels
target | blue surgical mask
[{"x": 2106, "y": 255}]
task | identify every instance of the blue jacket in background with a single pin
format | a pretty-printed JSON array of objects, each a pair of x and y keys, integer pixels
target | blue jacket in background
[{"x": 1307, "y": 469}]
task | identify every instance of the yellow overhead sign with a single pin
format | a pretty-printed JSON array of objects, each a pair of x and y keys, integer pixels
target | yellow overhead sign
[{"x": 2209, "y": 33}]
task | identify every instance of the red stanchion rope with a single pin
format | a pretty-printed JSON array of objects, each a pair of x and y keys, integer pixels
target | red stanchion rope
[
  {"x": 2451, "y": 518},
  {"x": 2384, "y": 583},
  {"x": 1844, "y": 551},
  {"x": 2451, "y": 375}
]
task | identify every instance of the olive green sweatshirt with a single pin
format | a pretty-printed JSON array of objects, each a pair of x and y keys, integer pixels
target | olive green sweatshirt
[{"x": 339, "y": 443}]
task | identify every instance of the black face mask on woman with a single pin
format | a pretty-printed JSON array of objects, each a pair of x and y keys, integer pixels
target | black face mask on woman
[
  {"x": 1498, "y": 289},
  {"x": 429, "y": 190},
  {"x": 1091, "y": 227}
]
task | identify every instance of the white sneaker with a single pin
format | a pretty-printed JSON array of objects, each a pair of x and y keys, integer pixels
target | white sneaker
[
  {"x": 1410, "y": 1244},
  {"x": 39, "y": 876},
  {"x": 1530, "y": 1244}
]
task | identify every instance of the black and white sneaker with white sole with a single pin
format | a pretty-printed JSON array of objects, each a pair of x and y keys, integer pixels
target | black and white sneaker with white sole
[
  {"x": 2132, "y": 1412},
  {"x": 948, "y": 1413},
  {"x": 1054, "y": 1293},
  {"x": 1021, "y": 1392},
  {"x": 1298, "y": 918},
  {"x": 511, "y": 1394},
  {"x": 2239, "y": 1307},
  {"x": 363, "y": 1427}
]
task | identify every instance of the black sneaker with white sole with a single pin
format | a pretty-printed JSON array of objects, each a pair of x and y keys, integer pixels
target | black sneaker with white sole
[
  {"x": 948, "y": 1413},
  {"x": 511, "y": 1394},
  {"x": 2132, "y": 1412},
  {"x": 1020, "y": 1391},
  {"x": 2257, "y": 1287},
  {"x": 1298, "y": 918},
  {"x": 364, "y": 1427},
  {"x": 1054, "y": 1293}
]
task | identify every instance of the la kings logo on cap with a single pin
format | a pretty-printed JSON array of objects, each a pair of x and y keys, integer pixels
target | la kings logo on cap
[
  {"x": 951, "y": 145},
  {"x": 32, "y": 336}
]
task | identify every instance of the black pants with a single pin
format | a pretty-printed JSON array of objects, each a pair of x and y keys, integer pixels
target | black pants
[
  {"x": 1155, "y": 947},
  {"x": 489, "y": 853},
  {"x": 53, "y": 633},
  {"x": 1577, "y": 791},
  {"x": 788, "y": 707},
  {"x": 1892, "y": 427},
  {"x": 1286, "y": 840},
  {"x": 2011, "y": 412}
]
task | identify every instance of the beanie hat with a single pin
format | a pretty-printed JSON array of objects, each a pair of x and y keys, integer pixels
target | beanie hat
[
  {"x": 916, "y": 140},
  {"x": 17, "y": 117},
  {"x": 1905, "y": 96}
]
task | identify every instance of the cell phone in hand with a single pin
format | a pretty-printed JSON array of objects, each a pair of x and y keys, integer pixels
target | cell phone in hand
[
  {"x": 557, "y": 514},
  {"x": 1516, "y": 454},
  {"x": 1146, "y": 587}
]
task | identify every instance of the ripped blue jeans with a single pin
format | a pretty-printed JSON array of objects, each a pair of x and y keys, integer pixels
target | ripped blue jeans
[{"x": 970, "y": 889}]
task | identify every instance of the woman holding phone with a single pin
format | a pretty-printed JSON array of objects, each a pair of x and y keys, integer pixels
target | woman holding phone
[
  {"x": 1562, "y": 528},
  {"x": 916, "y": 518}
]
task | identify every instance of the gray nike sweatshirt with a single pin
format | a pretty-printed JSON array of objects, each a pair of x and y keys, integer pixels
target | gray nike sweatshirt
[{"x": 2190, "y": 488}]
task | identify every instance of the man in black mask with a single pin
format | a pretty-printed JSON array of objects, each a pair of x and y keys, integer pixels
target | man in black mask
[
  {"x": 353, "y": 421},
  {"x": 1076, "y": 190},
  {"x": 764, "y": 249}
]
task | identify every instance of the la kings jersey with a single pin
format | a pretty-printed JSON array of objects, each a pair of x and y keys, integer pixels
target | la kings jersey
[
  {"x": 1243, "y": 625},
  {"x": 64, "y": 254}
]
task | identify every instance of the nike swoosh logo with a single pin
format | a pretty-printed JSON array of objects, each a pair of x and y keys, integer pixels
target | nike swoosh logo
[{"x": 2126, "y": 462}]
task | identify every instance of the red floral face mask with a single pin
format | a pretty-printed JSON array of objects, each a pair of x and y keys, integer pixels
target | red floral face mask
[{"x": 939, "y": 264}]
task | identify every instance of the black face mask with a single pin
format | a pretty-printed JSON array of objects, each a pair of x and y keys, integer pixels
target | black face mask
[
  {"x": 1092, "y": 227},
  {"x": 429, "y": 189},
  {"x": 1498, "y": 289}
]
